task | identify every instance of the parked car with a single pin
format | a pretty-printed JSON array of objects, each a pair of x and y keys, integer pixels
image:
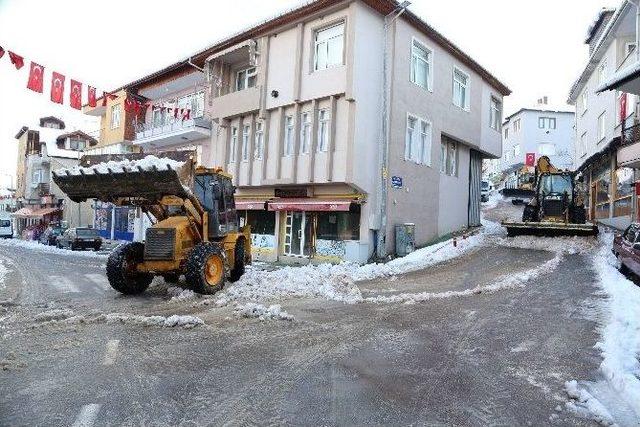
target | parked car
[
  {"x": 49, "y": 236},
  {"x": 80, "y": 238},
  {"x": 626, "y": 248},
  {"x": 6, "y": 228}
]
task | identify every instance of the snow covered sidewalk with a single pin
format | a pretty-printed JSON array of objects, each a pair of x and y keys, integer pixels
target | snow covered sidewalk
[{"x": 38, "y": 247}]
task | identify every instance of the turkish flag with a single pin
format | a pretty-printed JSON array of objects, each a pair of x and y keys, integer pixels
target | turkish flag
[
  {"x": 16, "y": 60},
  {"x": 57, "y": 87},
  {"x": 92, "y": 96},
  {"x": 75, "y": 96},
  {"x": 1, "y": 52},
  {"x": 107, "y": 95},
  {"x": 623, "y": 107},
  {"x": 36, "y": 77},
  {"x": 530, "y": 159},
  {"x": 128, "y": 104}
]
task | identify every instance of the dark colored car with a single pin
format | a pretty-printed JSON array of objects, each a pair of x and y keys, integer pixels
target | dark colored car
[
  {"x": 50, "y": 236},
  {"x": 80, "y": 238},
  {"x": 626, "y": 248}
]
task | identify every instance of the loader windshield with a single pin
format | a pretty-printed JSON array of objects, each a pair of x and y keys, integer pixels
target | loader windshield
[{"x": 550, "y": 184}]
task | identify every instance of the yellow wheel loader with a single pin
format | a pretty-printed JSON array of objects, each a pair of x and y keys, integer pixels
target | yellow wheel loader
[
  {"x": 195, "y": 230},
  {"x": 557, "y": 207}
]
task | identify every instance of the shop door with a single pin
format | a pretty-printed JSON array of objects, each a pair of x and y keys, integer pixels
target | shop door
[{"x": 297, "y": 238}]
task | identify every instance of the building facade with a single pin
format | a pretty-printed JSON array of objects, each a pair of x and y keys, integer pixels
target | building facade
[
  {"x": 601, "y": 117},
  {"x": 42, "y": 149},
  {"x": 293, "y": 109}
]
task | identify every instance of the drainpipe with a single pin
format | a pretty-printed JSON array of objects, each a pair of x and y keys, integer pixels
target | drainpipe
[
  {"x": 383, "y": 152},
  {"x": 195, "y": 66}
]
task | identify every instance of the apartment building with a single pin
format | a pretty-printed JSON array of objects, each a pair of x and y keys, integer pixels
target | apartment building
[
  {"x": 601, "y": 117},
  {"x": 294, "y": 109},
  {"x": 41, "y": 149},
  {"x": 539, "y": 131}
]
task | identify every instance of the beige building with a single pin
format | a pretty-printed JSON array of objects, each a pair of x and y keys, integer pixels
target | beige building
[{"x": 294, "y": 109}]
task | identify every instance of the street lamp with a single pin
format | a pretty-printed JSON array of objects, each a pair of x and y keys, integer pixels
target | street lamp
[{"x": 383, "y": 152}]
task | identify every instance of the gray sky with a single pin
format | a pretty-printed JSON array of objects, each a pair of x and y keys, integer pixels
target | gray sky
[{"x": 536, "y": 48}]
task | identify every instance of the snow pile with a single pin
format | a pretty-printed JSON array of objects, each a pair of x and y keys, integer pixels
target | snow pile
[
  {"x": 148, "y": 163},
  {"x": 178, "y": 294},
  {"x": 3, "y": 273},
  {"x": 561, "y": 244},
  {"x": 494, "y": 199},
  {"x": 55, "y": 314},
  {"x": 511, "y": 281},
  {"x": 584, "y": 404},
  {"x": 35, "y": 246},
  {"x": 175, "y": 320},
  {"x": 253, "y": 310}
]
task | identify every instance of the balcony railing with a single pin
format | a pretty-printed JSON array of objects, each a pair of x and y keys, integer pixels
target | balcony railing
[
  {"x": 631, "y": 134},
  {"x": 173, "y": 131}
]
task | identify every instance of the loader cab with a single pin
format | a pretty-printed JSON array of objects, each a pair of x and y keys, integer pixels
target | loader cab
[{"x": 215, "y": 191}]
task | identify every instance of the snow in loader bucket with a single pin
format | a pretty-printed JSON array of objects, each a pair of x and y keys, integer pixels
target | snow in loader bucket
[
  {"x": 549, "y": 229},
  {"x": 149, "y": 179}
]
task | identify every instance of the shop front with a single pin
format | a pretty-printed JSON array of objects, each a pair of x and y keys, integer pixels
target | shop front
[{"x": 114, "y": 223}]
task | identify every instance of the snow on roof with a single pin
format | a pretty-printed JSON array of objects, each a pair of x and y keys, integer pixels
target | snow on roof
[
  {"x": 620, "y": 77},
  {"x": 148, "y": 163}
]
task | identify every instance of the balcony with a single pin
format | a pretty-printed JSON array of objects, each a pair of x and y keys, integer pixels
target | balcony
[
  {"x": 236, "y": 103},
  {"x": 172, "y": 133},
  {"x": 629, "y": 153}
]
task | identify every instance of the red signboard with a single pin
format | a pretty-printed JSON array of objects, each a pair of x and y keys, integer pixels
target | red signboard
[{"x": 530, "y": 159}]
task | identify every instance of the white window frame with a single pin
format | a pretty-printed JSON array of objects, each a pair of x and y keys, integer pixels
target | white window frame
[
  {"x": 246, "y": 133},
  {"x": 233, "y": 146},
  {"x": 415, "y": 58},
  {"x": 324, "y": 123},
  {"x": 194, "y": 102},
  {"x": 516, "y": 151},
  {"x": 466, "y": 86},
  {"x": 602, "y": 127},
  {"x": 418, "y": 140},
  {"x": 305, "y": 132},
  {"x": 325, "y": 44},
  {"x": 289, "y": 130},
  {"x": 259, "y": 140},
  {"x": 446, "y": 151},
  {"x": 248, "y": 72},
  {"x": 116, "y": 118},
  {"x": 495, "y": 113},
  {"x": 517, "y": 125},
  {"x": 583, "y": 144},
  {"x": 506, "y": 132},
  {"x": 584, "y": 98}
]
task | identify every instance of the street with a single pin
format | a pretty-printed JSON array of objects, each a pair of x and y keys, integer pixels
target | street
[{"x": 416, "y": 348}]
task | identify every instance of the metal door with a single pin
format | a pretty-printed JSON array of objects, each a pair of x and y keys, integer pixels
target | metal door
[
  {"x": 475, "y": 182},
  {"x": 297, "y": 234}
]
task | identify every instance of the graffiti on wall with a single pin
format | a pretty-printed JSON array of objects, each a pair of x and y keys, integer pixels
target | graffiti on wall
[
  {"x": 333, "y": 249},
  {"x": 263, "y": 240}
]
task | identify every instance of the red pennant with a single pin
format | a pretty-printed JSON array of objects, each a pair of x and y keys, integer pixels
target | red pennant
[
  {"x": 92, "y": 96},
  {"x": 175, "y": 113},
  {"x": 128, "y": 104},
  {"x": 1, "y": 52},
  {"x": 36, "y": 77},
  {"x": 187, "y": 115},
  {"x": 16, "y": 60},
  {"x": 137, "y": 106},
  {"x": 57, "y": 87},
  {"x": 75, "y": 95}
]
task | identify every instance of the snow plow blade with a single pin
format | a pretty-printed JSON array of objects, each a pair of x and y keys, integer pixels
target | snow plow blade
[
  {"x": 141, "y": 185},
  {"x": 518, "y": 193},
  {"x": 549, "y": 229}
]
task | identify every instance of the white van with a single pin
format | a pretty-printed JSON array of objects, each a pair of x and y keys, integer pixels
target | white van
[{"x": 6, "y": 228}]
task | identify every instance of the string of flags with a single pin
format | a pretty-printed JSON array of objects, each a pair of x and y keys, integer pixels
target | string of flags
[{"x": 36, "y": 83}]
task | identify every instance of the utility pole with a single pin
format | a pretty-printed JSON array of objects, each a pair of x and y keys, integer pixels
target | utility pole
[{"x": 383, "y": 148}]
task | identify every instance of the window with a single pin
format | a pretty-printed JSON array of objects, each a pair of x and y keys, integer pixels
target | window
[
  {"x": 329, "y": 47},
  {"x": 115, "y": 116},
  {"x": 323, "y": 130},
  {"x": 516, "y": 150},
  {"x": 259, "y": 141},
  {"x": 584, "y": 100},
  {"x": 602, "y": 131},
  {"x": 233, "y": 145},
  {"x": 193, "y": 102},
  {"x": 583, "y": 145},
  {"x": 546, "y": 149},
  {"x": 288, "y": 136},
  {"x": 546, "y": 122},
  {"x": 305, "y": 132},
  {"x": 246, "y": 78},
  {"x": 418, "y": 141},
  {"x": 516, "y": 125},
  {"x": 495, "y": 114},
  {"x": 262, "y": 222},
  {"x": 36, "y": 177},
  {"x": 77, "y": 144},
  {"x": 159, "y": 117},
  {"x": 506, "y": 133},
  {"x": 338, "y": 226},
  {"x": 421, "y": 65},
  {"x": 460, "y": 89},
  {"x": 448, "y": 156},
  {"x": 246, "y": 129}
]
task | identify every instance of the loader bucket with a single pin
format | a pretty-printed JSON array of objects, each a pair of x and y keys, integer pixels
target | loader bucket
[
  {"x": 106, "y": 185},
  {"x": 519, "y": 193},
  {"x": 549, "y": 229}
]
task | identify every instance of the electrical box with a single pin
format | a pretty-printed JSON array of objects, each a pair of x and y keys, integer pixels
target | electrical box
[{"x": 405, "y": 239}]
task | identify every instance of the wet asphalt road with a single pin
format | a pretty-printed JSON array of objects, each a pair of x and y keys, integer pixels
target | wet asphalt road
[{"x": 484, "y": 359}]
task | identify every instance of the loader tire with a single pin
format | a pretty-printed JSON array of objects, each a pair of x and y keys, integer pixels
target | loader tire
[
  {"x": 238, "y": 264},
  {"x": 121, "y": 269},
  {"x": 529, "y": 214},
  {"x": 205, "y": 270}
]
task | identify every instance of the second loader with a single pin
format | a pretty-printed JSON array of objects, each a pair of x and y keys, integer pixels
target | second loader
[{"x": 195, "y": 229}]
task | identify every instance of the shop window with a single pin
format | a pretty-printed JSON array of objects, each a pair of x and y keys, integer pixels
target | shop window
[
  {"x": 602, "y": 211},
  {"x": 261, "y": 222},
  {"x": 624, "y": 192},
  {"x": 338, "y": 226}
]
